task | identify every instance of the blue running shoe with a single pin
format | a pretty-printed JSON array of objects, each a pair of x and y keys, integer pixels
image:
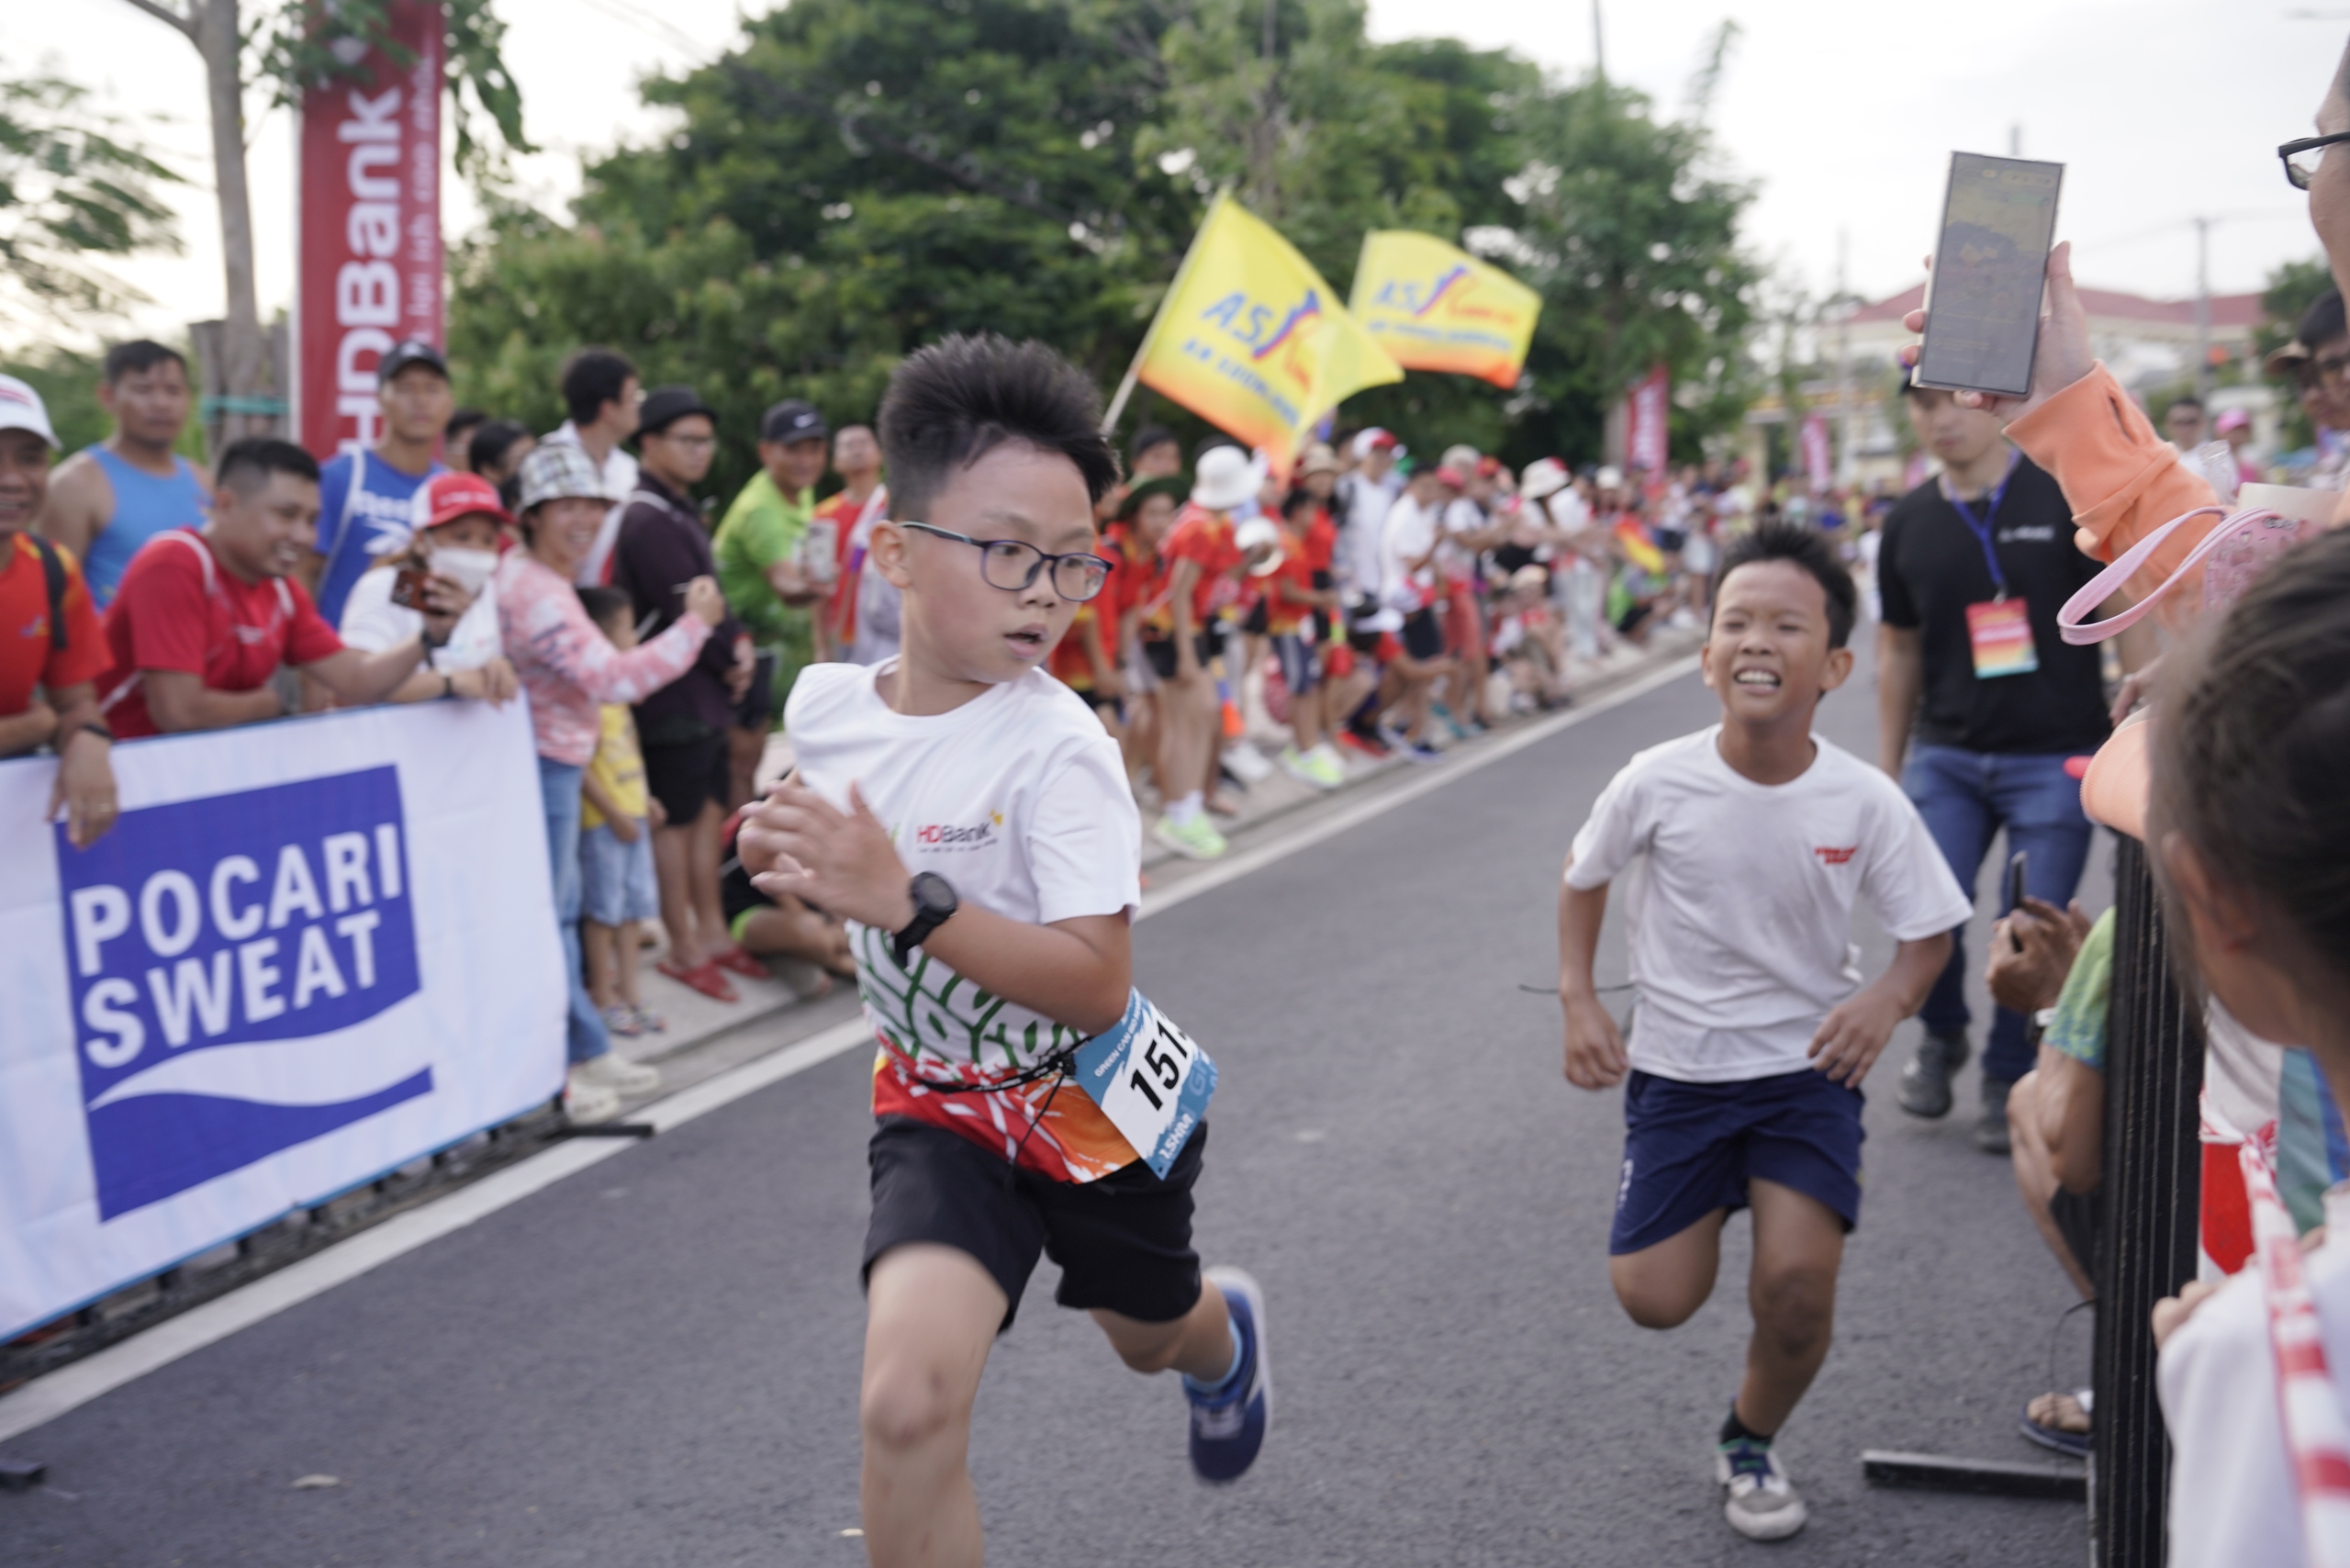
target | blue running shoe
[{"x": 1230, "y": 1427}]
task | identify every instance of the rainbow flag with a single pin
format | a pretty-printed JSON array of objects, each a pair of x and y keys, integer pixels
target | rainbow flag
[
  {"x": 1253, "y": 341},
  {"x": 1639, "y": 548},
  {"x": 1435, "y": 306}
]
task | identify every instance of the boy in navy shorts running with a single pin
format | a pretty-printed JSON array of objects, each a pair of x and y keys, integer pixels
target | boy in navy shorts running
[
  {"x": 967, "y": 816},
  {"x": 1745, "y": 845}
]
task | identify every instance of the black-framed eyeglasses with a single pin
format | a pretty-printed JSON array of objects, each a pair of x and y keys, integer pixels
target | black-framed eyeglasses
[
  {"x": 2301, "y": 158},
  {"x": 1013, "y": 564}
]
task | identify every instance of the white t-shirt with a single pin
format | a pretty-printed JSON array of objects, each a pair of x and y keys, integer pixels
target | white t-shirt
[
  {"x": 1018, "y": 799},
  {"x": 372, "y": 623},
  {"x": 1408, "y": 537},
  {"x": 2232, "y": 1496},
  {"x": 1740, "y": 899},
  {"x": 1359, "y": 555},
  {"x": 1462, "y": 515}
]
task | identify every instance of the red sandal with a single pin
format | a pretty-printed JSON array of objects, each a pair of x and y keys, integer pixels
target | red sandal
[
  {"x": 707, "y": 978},
  {"x": 742, "y": 963}
]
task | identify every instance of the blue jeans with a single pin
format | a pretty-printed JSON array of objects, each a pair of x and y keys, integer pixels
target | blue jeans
[
  {"x": 559, "y": 786},
  {"x": 1965, "y": 797}
]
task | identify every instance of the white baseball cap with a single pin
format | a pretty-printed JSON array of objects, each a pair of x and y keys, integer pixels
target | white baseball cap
[
  {"x": 22, "y": 409},
  {"x": 1225, "y": 476}
]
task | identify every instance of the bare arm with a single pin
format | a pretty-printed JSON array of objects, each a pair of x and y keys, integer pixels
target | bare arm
[
  {"x": 179, "y": 701},
  {"x": 1179, "y": 585},
  {"x": 1077, "y": 972},
  {"x": 1595, "y": 1058},
  {"x": 79, "y": 501},
  {"x": 1854, "y": 1034},
  {"x": 493, "y": 683},
  {"x": 357, "y": 678},
  {"x": 791, "y": 584},
  {"x": 28, "y": 730},
  {"x": 1900, "y": 682},
  {"x": 84, "y": 790}
]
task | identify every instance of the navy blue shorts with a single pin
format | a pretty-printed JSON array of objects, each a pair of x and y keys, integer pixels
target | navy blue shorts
[{"x": 1690, "y": 1149}]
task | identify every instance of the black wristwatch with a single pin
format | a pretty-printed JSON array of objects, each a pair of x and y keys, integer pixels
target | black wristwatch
[{"x": 934, "y": 900}]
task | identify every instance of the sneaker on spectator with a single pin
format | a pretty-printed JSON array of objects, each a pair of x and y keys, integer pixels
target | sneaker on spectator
[
  {"x": 1246, "y": 763},
  {"x": 1325, "y": 769},
  {"x": 613, "y": 1072},
  {"x": 1420, "y": 751},
  {"x": 1300, "y": 766},
  {"x": 586, "y": 1101},
  {"x": 1362, "y": 744},
  {"x": 1925, "y": 1083},
  {"x": 620, "y": 1018},
  {"x": 1758, "y": 1502},
  {"x": 1991, "y": 1123},
  {"x": 1194, "y": 840},
  {"x": 648, "y": 1021}
]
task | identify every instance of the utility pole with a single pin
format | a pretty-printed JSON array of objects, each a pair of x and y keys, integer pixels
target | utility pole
[
  {"x": 1846, "y": 460},
  {"x": 2203, "y": 307},
  {"x": 1598, "y": 45}
]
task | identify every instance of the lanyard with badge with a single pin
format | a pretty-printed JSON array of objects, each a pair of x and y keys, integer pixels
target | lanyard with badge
[{"x": 2000, "y": 628}]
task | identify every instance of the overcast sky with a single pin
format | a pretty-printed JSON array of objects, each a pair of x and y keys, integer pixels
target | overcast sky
[{"x": 1843, "y": 111}]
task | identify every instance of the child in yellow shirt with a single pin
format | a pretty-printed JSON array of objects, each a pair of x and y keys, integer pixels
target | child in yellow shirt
[{"x": 616, "y": 881}]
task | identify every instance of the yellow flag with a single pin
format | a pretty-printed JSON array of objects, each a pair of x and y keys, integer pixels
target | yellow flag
[
  {"x": 1435, "y": 306},
  {"x": 1250, "y": 338}
]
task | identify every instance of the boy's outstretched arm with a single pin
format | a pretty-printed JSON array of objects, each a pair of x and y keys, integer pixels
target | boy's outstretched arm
[
  {"x": 1595, "y": 1056},
  {"x": 1854, "y": 1034},
  {"x": 1076, "y": 972}
]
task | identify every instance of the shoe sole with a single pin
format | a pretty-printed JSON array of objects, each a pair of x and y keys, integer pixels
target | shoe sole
[
  {"x": 1188, "y": 851},
  {"x": 1234, "y": 1281},
  {"x": 1773, "y": 1527}
]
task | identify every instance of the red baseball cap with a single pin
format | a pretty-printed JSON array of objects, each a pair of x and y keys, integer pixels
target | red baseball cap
[
  {"x": 1452, "y": 476},
  {"x": 452, "y": 496}
]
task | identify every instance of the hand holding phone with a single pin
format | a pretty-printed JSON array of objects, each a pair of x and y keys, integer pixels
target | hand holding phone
[
  {"x": 2016, "y": 867},
  {"x": 1983, "y": 311}
]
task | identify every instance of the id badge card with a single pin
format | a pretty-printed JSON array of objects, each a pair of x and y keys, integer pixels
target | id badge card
[
  {"x": 1149, "y": 1079},
  {"x": 2001, "y": 630}
]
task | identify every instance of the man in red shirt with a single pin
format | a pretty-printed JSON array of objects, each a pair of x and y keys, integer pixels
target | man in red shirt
[
  {"x": 203, "y": 621},
  {"x": 51, "y": 646}
]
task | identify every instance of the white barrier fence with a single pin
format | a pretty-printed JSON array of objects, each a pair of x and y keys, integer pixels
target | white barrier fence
[{"x": 307, "y": 953}]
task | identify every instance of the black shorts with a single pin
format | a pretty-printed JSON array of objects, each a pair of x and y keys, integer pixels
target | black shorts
[
  {"x": 754, "y": 710},
  {"x": 1256, "y": 623},
  {"x": 2081, "y": 1219},
  {"x": 1161, "y": 655},
  {"x": 1124, "y": 1243},
  {"x": 1423, "y": 636},
  {"x": 684, "y": 776}
]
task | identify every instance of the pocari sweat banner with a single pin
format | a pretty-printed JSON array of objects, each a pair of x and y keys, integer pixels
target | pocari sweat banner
[{"x": 306, "y": 954}]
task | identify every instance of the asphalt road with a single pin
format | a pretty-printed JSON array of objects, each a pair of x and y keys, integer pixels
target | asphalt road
[{"x": 655, "y": 1362}]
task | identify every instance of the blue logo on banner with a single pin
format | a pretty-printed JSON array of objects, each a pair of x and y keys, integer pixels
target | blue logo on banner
[{"x": 201, "y": 935}]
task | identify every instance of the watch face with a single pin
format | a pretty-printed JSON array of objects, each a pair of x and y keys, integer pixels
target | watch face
[{"x": 932, "y": 895}]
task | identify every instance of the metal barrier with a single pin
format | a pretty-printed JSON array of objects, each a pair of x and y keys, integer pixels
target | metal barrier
[{"x": 2153, "y": 1193}]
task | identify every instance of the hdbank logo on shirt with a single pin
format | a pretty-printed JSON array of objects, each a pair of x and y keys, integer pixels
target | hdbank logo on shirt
[{"x": 217, "y": 948}]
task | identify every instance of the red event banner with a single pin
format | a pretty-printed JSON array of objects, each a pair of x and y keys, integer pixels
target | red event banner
[
  {"x": 369, "y": 214},
  {"x": 1819, "y": 458},
  {"x": 1646, "y": 442}
]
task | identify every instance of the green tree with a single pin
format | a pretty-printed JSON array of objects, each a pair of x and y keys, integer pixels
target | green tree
[
  {"x": 1629, "y": 229},
  {"x": 860, "y": 178},
  {"x": 277, "y": 47},
  {"x": 74, "y": 188}
]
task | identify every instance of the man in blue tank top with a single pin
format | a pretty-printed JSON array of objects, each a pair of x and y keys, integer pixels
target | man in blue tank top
[
  {"x": 367, "y": 497},
  {"x": 106, "y": 501}
]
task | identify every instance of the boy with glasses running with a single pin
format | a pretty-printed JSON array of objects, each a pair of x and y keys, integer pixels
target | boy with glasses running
[{"x": 971, "y": 821}]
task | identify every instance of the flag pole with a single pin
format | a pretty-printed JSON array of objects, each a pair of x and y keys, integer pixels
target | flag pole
[{"x": 1149, "y": 339}]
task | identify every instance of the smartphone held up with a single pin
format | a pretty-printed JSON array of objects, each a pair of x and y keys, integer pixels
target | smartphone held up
[{"x": 1990, "y": 263}]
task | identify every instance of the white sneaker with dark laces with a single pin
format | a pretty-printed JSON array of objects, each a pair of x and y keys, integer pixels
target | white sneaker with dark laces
[{"x": 1757, "y": 1498}]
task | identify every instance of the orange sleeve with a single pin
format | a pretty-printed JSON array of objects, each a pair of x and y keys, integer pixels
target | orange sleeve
[{"x": 2122, "y": 480}]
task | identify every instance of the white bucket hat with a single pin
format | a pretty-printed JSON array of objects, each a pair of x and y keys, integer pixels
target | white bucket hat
[
  {"x": 1225, "y": 476},
  {"x": 1543, "y": 477}
]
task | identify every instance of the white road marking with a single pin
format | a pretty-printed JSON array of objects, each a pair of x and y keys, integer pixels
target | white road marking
[{"x": 46, "y": 1398}]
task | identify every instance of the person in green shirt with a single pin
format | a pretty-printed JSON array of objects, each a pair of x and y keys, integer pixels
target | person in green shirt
[{"x": 761, "y": 540}]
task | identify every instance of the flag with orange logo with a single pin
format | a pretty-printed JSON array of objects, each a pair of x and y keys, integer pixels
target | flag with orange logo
[
  {"x": 1253, "y": 341},
  {"x": 1435, "y": 306}
]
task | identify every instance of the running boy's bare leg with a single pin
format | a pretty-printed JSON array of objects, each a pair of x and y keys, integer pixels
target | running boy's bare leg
[
  {"x": 932, "y": 1314},
  {"x": 1662, "y": 1286},
  {"x": 1799, "y": 1246},
  {"x": 1198, "y": 1344}
]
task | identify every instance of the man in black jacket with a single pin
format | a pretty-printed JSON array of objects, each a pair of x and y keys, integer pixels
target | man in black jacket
[{"x": 661, "y": 547}]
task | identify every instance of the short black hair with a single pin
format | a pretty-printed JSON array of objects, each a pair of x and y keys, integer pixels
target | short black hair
[
  {"x": 1147, "y": 438},
  {"x": 138, "y": 354},
  {"x": 2322, "y": 322},
  {"x": 1299, "y": 501},
  {"x": 591, "y": 379},
  {"x": 2184, "y": 400},
  {"x": 1804, "y": 546},
  {"x": 952, "y": 403},
  {"x": 247, "y": 465},
  {"x": 489, "y": 447},
  {"x": 606, "y": 606},
  {"x": 1209, "y": 443},
  {"x": 463, "y": 421}
]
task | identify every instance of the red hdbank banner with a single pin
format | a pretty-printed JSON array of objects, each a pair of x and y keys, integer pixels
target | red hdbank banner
[
  {"x": 370, "y": 214},
  {"x": 1646, "y": 440}
]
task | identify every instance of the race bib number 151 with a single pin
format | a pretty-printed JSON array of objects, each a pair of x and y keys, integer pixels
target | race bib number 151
[{"x": 1149, "y": 1079}]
